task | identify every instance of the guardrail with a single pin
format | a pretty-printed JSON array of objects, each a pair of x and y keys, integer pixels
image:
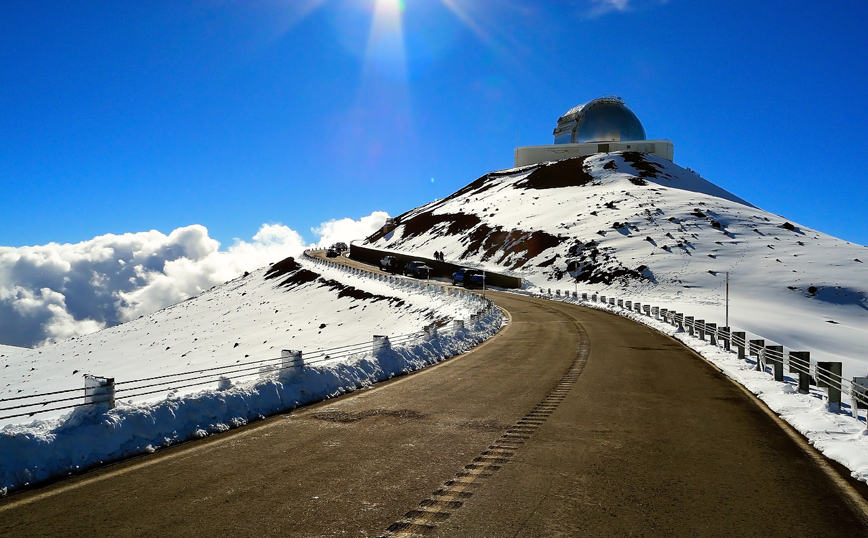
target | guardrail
[
  {"x": 771, "y": 357},
  {"x": 105, "y": 390}
]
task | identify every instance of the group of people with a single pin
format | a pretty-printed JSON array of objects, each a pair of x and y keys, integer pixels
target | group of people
[{"x": 438, "y": 256}]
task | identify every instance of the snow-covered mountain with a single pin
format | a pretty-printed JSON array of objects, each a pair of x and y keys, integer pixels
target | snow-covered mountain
[{"x": 636, "y": 225}]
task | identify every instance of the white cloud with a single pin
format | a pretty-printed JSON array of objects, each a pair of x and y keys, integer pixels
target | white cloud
[
  {"x": 618, "y": 5},
  {"x": 56, "y": 291},
  {"x": 346, "y": 230},
  {"x": 601, "y": 7}
]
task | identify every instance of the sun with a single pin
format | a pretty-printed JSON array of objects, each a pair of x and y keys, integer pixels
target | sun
[{"x": 386, "y": 40}]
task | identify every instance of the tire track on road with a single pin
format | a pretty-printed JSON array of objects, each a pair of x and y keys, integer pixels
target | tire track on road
[{"x": 452, "y": 495}]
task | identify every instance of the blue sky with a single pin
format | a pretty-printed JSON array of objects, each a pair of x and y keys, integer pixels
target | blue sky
[{"x": 128, "y": 116}]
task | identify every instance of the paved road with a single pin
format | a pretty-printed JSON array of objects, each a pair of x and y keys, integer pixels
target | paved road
[{"x": 571, "y": 422}]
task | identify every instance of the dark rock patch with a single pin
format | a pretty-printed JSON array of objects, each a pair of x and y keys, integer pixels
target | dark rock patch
[
  {"x": 445, "y": 224},
  {"x": 566, "y": 173},
  {"x": 489, "y": 242},
  {"x": 594, "y": 265},
  {"x": 282, "y": 267},
  {"x": 355, "y": 293},
  {"x": 298, "y": 278},
  {"x": 638, "y": 162}
]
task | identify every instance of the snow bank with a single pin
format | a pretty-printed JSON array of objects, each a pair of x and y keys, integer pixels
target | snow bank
[{"x": 95, "y": 435}]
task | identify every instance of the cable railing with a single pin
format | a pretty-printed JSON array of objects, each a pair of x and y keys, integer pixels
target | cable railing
[
  {"x": 100, "y": 389},
  {"x": 168, "y": 383},
  {"x": 769, "y": 356}
]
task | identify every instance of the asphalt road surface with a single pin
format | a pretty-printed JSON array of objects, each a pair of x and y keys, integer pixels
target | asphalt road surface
[{"x": 570, "y": 422}]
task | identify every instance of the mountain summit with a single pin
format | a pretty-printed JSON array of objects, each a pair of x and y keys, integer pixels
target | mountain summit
[{"x": 632, "y": 223}]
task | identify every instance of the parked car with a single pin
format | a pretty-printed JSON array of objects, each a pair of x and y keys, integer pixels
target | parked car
[
  {"x": 332, "y": 253},
  {"x": 467, "y": 277},
  {"x": 390, "y": 264},
  {"x": 417, "y": 269}
]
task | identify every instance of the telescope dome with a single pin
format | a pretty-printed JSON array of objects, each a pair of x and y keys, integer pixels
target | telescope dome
[{"x": 606, "y": 119}]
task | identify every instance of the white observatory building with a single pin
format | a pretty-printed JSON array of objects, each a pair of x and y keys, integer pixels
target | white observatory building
[{"x": 599, "y": 126}]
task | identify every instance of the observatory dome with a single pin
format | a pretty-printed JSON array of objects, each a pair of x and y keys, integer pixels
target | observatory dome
[{"x": 606, "y": 119}]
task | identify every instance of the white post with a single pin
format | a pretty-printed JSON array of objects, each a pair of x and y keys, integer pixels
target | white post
[
  {"x": 290, "y": 358},
  {"x": 99, "y": 390},
  {"x": 381, "y": 343}
]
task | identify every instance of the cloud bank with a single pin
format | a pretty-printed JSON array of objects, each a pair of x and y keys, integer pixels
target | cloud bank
[{"x": 56, "y": 291}]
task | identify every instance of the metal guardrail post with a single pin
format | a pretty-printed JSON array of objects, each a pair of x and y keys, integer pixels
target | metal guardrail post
[
  {"x": 688, "y": 321},
  {"x": 611, "y": 301},
  {"x": 711, "y": 328},
  {"x": 700, "y": 329},
  {"x": 628, "y": 305},
  {"x": 594, "y": 297},
  {"x": 603, "y": 299},
  {"x": 800, "y": 363},
  {"x": 679, "y": 320},
  {"x": 621, "y": 303},
  {"x": 740, "y": 340},
  {"x": 859, "y": 394},
  {"x": 829, "y": 377},
  {"x": 584, "y": 296},
  {"x": 754, "y": 347},
  {"x": 724, "y": 336},
  {"x": 99, "y": 390},
  {"x": 774, "y": 355}
]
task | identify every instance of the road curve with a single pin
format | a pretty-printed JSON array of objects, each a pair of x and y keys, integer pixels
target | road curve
[{"x": 570, "y": 422}]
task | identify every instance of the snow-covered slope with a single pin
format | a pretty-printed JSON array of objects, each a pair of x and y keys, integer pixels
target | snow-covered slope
[
  {"x": 290, "y": 305},
  {"x": 638, "y": 225},
  {"x": 11, "y": 350}
]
